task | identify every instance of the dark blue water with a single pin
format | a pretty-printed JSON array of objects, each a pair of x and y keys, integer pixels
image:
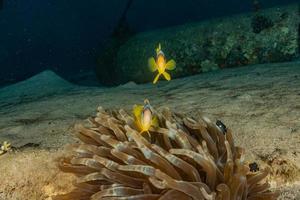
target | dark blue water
[{"x": 67, "y": 35}]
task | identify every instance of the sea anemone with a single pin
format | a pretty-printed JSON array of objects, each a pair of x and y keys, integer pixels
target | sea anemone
[{"x": 184, "y": 158}]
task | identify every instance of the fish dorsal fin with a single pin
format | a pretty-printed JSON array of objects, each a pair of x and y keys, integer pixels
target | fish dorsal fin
[
  {"x": 146, "y": 101},
  {"x": 137, "y": 111},
  {"x": 158, "y": 48}
]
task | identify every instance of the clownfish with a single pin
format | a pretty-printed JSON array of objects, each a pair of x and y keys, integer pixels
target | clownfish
[
  {"x": 144, "y": 118},
  {"x": 161, "y": 65}
]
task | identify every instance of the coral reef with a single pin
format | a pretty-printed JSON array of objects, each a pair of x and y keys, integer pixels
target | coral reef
[
  {"x": 225, "y": 42},
  {"x": 260, "y": 22},
  {"x": 206, "y": 66},
  {"x": 184, "y": 158}
]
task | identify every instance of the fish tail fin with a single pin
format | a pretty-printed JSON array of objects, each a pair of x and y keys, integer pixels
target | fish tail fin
[
  {"x": 167, "y": 76},
  {"x": 152, "y": 64},
  {"x": 171, "y": 64},
  {"x": 156, "y": 78}
]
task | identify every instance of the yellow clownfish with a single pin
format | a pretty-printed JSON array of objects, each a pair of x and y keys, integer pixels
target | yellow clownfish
[
  {"x": 161, "y": 64},
  {"x": 144, "y": 118}
]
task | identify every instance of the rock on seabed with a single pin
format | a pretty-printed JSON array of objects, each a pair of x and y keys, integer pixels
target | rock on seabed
[{"x": 219, "y": 43}]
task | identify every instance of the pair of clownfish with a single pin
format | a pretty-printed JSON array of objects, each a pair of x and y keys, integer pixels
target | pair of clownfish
[{"x": 144, "y": 116}]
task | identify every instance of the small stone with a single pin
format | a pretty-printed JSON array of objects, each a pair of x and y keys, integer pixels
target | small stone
[{"x": 253, "y": 167}]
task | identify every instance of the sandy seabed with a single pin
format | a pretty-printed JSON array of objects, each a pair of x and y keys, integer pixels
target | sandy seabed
[{"x": 261, "y": 104}]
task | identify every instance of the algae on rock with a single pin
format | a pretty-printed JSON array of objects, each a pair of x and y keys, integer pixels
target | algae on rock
[{"x": 225, "y": 42}]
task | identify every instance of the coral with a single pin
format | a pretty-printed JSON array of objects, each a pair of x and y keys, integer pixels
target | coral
[
  {"x": 184, "y": 159},
  {"x": 236, "y": 57},
  {"x": 260, "y": 22},
  {"x": 207, "y": 65},
  {"x": 227, "y": 42}
]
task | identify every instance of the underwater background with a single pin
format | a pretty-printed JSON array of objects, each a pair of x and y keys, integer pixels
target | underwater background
[
  {"x": 205, "y": 95},
  {"x": 69, "y": 36}
]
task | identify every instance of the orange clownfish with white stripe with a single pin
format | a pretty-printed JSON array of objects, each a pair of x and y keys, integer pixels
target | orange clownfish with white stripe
[
  {"x": 161, "y": 65},
  {"x": 144, "y": 117}
]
